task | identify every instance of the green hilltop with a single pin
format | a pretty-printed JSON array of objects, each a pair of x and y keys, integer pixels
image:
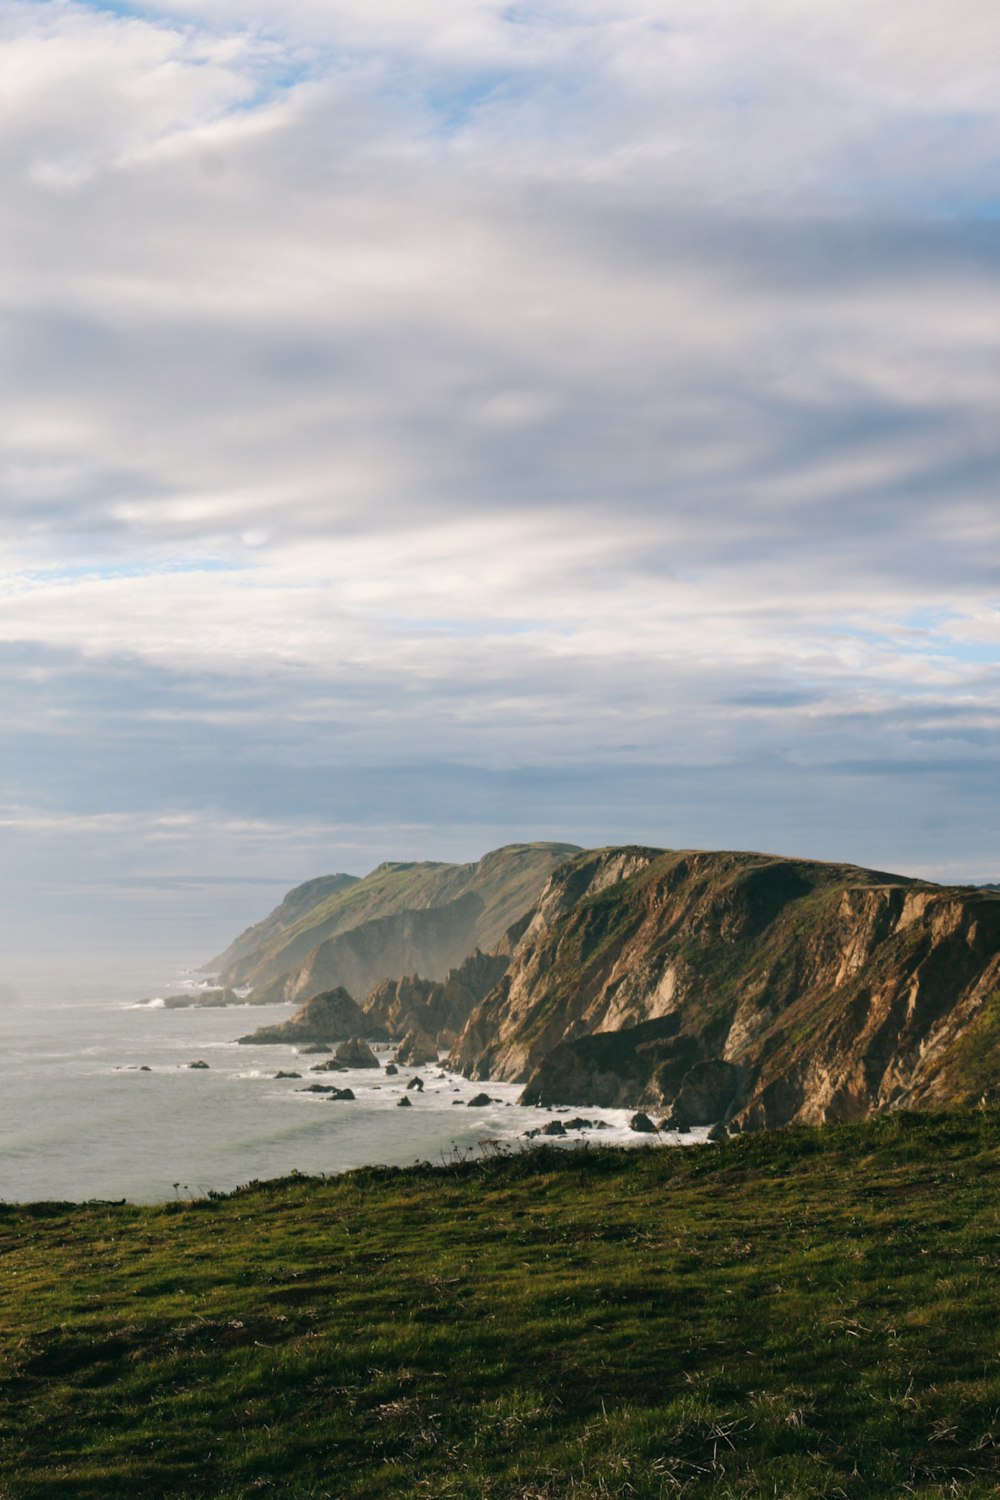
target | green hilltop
[
  {"x": 482, "y": 899},
  {"x": 809, "y": 1312}
]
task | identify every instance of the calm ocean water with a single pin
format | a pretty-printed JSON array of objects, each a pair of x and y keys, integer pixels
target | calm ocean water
[{"x": 78, "y": 1119}]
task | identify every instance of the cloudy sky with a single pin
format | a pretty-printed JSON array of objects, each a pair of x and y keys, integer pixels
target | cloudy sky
[{"x": 430, "y": 425}]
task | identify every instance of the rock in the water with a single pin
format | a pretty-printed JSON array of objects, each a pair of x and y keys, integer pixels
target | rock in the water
[
  {"x": 145, "y": 1068},
  {"x": 332, "y": 1066},
  {"x": 718, "y": 1132},
  {"x": 479, "y": 1101},
  {"x": 579, "y": 1123},
  {"x": 198, "y": 1064},
  {"x": 642, "y": 1123},
  {"x": 675, "y": 1122},
  {"x": 554, "y": 1127},
  {"x": 416, "y": 1083},
  {"x": 416, "y": 1049},
  {"x": 283, "y": 1074},
  {"x": 403, "y": 1103},
  {"x": 202, "y": 999},
  {"x": 356, "y": 1053},
  {"x": 329, "y": 1017},
  {"x": 319, "y": 1088},
  {"x": 343, "y": 1094},
  {"x": 391, "y": 1069}
]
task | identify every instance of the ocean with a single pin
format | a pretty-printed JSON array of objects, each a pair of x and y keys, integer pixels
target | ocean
[{"x": 81, "y": 1119}]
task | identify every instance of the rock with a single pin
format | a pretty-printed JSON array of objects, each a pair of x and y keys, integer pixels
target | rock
[
  {"x": 718, "y": 1132},
  {"x": 479, "y": 1101},
  {"x": 439, "y": 1007},
  {"x": 416, "y": 1083},
  {"x": 403, "y": 1103},
  {"x": 416, "y": 1049},
  {"x": 554, "y": 1127},
  {"x": 328, "y": 1017},
  {"x": 342, "y": 1094},
  {"x": 201, "y": 999},
  {"x": 319, "y": 1088},
  {"x": 314, "y": 1049},
  {"x": 145, "y": 1068},
  {"x": 283, "y": 1074},
  {"x": 676, "y": 1123},
  {"x": 642, "y": 1123},
  {"x": 198, "y": 1064},
  {"x": 579, "y": 1123},
  {"x": 707, "y": 1091},
  {"x": 391, "y": 1069},
  {"x": 333, "y": 1066},
  {"x": 356, "y": 1053}
]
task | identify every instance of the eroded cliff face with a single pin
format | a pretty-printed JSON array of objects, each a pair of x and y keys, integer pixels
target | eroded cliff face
[
  {"x": 435, "y": 1007},
  {"x": 745, "y": 987}
]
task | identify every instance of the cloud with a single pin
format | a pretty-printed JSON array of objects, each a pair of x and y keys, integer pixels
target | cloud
[{"x": 424, "y": 408}]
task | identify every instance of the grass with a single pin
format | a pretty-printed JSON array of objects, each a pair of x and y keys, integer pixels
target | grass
[{"x": 805, "y": 1313}]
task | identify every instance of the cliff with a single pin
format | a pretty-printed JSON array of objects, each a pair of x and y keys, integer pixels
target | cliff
[
  {"x": 400, "y": 919},
  {"x": 436, "y": 1006},
  {"x": 746, "y": 987}
]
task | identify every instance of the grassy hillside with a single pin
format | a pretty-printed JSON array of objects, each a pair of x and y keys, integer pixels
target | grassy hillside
[
  {"x": 810, "y": 1312},
  {"x": 506, "y": 882}
]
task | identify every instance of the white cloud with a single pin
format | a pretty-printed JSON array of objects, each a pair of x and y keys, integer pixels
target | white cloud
[{"x": 516, "y": 384}]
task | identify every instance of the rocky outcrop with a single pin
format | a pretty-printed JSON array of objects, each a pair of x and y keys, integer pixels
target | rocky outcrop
[
  {"x": 327, "y": 1018},
  {"x": 200, "y": 999},
  {"x": 437, "y": 1007},
  {"x": 415, "y": 1049},
  {"x": 745, "y": 988},
  {"x": 356, "y": 1053}
]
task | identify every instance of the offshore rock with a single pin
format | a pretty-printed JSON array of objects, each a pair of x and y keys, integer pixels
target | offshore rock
[
  {"x": 356, "y": 1053},
  {"x": 416, "y": 1049},
  {"x": 203, "y": 999},
  {"x": 330, "y": 1017}
]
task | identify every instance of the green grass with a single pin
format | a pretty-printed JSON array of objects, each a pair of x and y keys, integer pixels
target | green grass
[{"x": 804, "y": 1313}]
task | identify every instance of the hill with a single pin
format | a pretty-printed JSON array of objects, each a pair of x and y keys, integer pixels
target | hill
[
  {"x": 809, "y": 1312},
  {"x": 400, "y": 919},
  {"x": 745, "y": 987}
]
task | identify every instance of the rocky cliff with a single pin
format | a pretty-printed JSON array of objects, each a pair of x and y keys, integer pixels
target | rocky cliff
[
  {"x": 745, "y": 987},
  {"x": 436, "y": 1006},
  {"x": 400, "y": 919}
]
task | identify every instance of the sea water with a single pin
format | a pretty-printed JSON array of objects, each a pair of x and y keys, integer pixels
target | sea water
[{"x": 81, "y": 1117}]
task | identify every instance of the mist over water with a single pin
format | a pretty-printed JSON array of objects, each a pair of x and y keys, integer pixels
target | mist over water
[{"x": 80, "y": 1119}]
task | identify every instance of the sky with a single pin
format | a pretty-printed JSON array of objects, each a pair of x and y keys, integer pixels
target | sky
[{"x": 430, "y": 426}]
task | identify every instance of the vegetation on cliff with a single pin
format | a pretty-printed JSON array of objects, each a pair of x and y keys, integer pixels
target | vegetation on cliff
[
  {"x": 809, "y": 1312},
  {"x": 746, "y": 987},
  {"x": 400, "y": 919}
]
